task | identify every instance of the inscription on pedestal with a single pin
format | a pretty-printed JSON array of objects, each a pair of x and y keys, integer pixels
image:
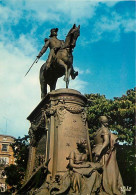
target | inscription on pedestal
[{"x": 73, "y": 132}]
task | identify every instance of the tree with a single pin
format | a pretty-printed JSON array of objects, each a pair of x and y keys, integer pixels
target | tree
[
  {"x": 126, "y": 162},
  {"x": 120, "y": 112},
  {"x": 15, "y": 172},
  {"x": 123, "y": 116}
]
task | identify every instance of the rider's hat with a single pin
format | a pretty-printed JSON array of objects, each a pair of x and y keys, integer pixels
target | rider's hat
[{"x": 53, "y": 30}]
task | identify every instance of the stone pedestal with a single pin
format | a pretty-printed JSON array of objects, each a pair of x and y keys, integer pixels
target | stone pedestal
[
  {"x": 57, "y": 123},
  {"x": 66, "y": 126},
  {"x": 59, "y": 150}
]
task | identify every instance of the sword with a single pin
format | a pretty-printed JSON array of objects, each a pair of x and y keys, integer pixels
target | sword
[{"x": 36, "y": 60}]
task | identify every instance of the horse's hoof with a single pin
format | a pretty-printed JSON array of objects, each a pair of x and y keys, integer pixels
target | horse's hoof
[{"x": 74, "y": 74}]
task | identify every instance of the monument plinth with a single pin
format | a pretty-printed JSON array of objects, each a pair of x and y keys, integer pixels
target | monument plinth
[{"x": 57, "y": 124}]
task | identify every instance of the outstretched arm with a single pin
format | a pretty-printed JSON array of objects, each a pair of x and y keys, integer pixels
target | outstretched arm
[{"x": 43, "y": 50}]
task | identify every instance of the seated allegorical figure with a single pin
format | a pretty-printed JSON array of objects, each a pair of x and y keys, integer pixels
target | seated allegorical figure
[
  {"x": 85, "y": 178},
  {"x": 105, "y": 153}
]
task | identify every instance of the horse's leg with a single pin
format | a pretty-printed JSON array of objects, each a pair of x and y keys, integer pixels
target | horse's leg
[
  {"x": 43, "y": 83},
  {"x": 68, "y": 76},
  {"x": 60, "y": 62},
  {"x": 53, "y": 85}
]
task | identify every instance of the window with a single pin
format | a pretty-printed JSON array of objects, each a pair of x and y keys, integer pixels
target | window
[
  {"x": 4, "y": 160},
  {"x": 4, "y": 147},
  {"x": 2, "y": 187}
]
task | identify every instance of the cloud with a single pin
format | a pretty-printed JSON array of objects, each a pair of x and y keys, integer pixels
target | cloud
[
  {"x": 76, "y": 84},
  {"x": 110, "y": 3},
  {"x": 72, "y": 11},
  {"x": 65, "y": 12},
  {"x": 87, "y": 71},
  {"x": 81, "y": 72},
  {"x": 79, "y": 85},
  {"x": 29, "y": 48},
  {"x": 129, "y": 25},
  {"x": 8, "y": 15},
  {"x": 110, "y": 26},
  {"x": 18, "y": 94},
  {"x": 115, "y": 22}
]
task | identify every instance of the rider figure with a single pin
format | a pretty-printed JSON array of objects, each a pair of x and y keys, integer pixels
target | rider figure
[{"x": 54, "y": 44}]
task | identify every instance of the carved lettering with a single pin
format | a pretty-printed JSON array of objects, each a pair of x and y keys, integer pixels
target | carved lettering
[{"x": 74, "y": 132}]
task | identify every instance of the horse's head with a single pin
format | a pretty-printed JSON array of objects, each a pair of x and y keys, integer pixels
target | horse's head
[{"x": 73, "y": 35}]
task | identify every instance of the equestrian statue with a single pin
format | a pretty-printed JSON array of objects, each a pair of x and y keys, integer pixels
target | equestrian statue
[{"x": 60, "y": 59}]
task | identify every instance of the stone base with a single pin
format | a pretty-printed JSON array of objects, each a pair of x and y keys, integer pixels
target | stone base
[{"x": 57, "y": 123}]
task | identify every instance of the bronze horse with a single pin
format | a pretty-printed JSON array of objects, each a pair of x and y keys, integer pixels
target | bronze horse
[{"x": 61, "y": 63}]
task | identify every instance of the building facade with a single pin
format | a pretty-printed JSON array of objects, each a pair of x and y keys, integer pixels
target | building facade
[{"x": 6, "y": 158}]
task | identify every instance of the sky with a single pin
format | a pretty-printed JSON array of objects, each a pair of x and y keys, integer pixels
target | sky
[{"x": 104, "y": 54}]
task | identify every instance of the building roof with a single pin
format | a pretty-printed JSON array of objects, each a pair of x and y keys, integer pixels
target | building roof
[{"x": 7, "y": 136}]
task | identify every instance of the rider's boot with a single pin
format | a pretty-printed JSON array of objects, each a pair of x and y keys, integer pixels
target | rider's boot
[{"x": 49, "y": 60}]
